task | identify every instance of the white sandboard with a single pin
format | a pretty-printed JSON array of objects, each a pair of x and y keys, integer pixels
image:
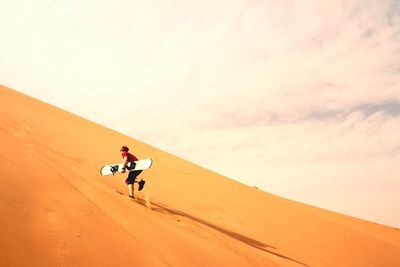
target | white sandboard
[{"x": 139, "y": 165}]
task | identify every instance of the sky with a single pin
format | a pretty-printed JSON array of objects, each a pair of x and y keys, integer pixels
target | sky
[{"x": 298, "y": 98}]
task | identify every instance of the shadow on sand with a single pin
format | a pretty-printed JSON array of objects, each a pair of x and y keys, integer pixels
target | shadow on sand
[{"x": 249, "y": 241}]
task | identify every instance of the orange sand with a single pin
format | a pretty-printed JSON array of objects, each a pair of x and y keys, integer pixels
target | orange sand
[{"x": 56, "y": 210}]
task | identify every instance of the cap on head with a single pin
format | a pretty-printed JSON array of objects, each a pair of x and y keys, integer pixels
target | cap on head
[{"x": 124, "y": 149}]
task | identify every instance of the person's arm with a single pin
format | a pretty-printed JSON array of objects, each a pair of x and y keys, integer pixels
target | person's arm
[{"x": 125, "y": 164}]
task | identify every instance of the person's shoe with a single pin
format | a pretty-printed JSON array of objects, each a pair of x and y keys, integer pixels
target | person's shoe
[
  {"x": 132, "y": 197},
  {"x": 141, "y": 184}
]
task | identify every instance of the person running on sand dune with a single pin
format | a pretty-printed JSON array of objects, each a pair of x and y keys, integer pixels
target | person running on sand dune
[{"x": 130, "y": 158}]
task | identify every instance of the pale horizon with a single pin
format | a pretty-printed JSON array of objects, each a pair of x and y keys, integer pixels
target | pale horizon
[{"x": 306, "y": 96}]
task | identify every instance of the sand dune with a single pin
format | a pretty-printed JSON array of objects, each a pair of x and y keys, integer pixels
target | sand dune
[{"x": 56, "y": 210}]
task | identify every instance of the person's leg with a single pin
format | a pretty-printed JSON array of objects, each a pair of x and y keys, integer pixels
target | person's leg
[
  {"x": 130, "y": 188},
  {"x": 141, "y": 182},
  {"x": 130, "y": 181}
]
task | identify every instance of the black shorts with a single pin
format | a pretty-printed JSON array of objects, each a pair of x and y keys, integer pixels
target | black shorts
[{"x": 132, "y": 176}]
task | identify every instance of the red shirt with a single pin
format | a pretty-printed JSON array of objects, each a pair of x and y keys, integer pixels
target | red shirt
[{"x": 131, "y": 158}]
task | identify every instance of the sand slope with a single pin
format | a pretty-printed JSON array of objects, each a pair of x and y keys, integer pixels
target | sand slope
[{"x": 56, "y": 210}]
